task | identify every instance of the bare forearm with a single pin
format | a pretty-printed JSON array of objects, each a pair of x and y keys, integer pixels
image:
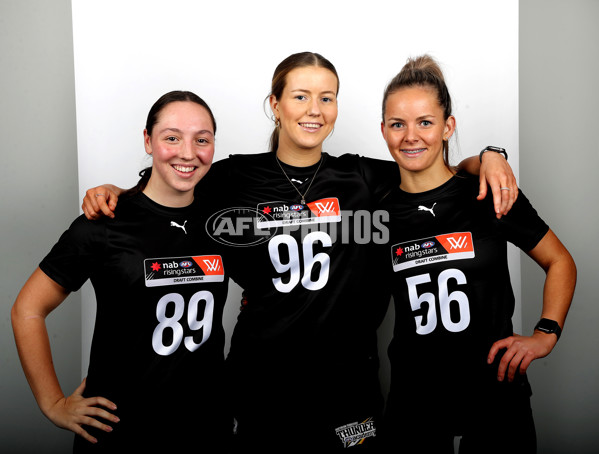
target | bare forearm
[
  {"x": 559, "y": 290},
  {"x": 38, "y": 297},
  {"x": 560, "y": 279},
  {"x": 33, "y": 346},
  {"x": 470, "y": 165}
]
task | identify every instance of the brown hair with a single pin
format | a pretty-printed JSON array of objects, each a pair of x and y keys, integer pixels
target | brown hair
[
  {"x": 153, "y": 114},
  {"x": 279, "y": 80},
  {"x": 422, "y": 71}
]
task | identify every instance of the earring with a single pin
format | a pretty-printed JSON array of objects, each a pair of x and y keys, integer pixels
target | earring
[{"x": 277, "y": 122}]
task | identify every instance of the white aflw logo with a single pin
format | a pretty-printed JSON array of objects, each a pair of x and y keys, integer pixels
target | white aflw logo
[
  {"x": 182, "y": 227},
  {"x": 212, "y": 265},
  {"x": 327, "y": 207},
  {"x": 458, "y": 243},
  {"x": 430, "y": 210}
]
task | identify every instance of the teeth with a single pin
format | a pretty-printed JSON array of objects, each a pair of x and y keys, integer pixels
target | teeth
[
  {"x": 310, "y": 125},
  {"x": 183, "y": 168},
  {"x": 413, "y": 151}
]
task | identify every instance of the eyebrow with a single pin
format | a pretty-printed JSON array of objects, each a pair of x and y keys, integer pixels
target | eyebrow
[
  {"x": 303, "y": 90},
  {"x": 422, "y": 117},
  {"x": 202, "y": 131}
]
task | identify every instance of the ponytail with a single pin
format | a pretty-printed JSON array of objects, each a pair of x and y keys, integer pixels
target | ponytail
[
  {"x": 273, "y": 144},
  {"x": 144, "y": 175}
]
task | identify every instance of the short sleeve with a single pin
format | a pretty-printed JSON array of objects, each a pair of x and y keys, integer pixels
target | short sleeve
[
  {"x": 522, "y": 226},
  {"x": 76, "y": 255}
]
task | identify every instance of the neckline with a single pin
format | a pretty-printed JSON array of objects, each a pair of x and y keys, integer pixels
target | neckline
[
  {"x": 435, "y": 191},
  {"x": 299, "y": 169},
  {"x": 164, "y": 209}
]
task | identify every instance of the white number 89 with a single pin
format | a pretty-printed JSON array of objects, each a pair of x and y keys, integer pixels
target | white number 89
[{"x": 173, "y": 324}]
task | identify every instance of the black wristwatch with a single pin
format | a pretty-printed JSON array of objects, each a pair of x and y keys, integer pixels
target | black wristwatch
[
  {"x": 548, "y": 326},
  {"x": 495, "y": 149}
]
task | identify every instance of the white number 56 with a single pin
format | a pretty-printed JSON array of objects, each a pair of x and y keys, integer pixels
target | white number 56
[{"x": 445, "y": 302}]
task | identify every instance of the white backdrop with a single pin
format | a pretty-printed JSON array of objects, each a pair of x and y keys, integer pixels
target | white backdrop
[{"x": 130, "y": 52}]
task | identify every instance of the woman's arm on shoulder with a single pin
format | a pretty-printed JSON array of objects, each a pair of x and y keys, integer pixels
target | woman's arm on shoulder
[
  {"x": 39, "y": 296},
  {"x": 101, "y": 201},
  {"x": 494, "y": 171}
]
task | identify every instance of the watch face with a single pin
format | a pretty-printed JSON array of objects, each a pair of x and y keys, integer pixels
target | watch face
[{"x": 548, "y": 326}]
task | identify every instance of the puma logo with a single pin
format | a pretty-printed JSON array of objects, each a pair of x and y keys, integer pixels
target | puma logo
[
  {"x": 298, "y": 181},
  {"x": 430, "y": 210},
  {"x": 182, "y": 227}
]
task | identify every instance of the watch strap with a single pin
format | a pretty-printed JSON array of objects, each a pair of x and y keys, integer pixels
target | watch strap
[{"x": 495, "y": 149}]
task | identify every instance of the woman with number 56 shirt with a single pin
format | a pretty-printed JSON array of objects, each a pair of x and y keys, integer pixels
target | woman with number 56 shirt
[
  {"x": 303, "y": 364},
  {"x": 155, "y": 379},
  {"x": 457, "y": 368}
]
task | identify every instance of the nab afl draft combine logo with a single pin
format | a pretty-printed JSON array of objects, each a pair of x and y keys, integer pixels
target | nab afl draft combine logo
[
  {"x": 356, "y": 433},
  {"x": 441, "y": 248},
  {"x": 183, "y": 270},
  {"x": 281, "y": 214}
]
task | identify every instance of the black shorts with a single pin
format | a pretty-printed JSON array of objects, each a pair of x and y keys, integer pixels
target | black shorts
[
  {"x": 307, "y": 409},
  {"x": 498, "y": 420}
]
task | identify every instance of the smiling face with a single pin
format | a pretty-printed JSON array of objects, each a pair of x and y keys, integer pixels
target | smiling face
[
  {"x": 307, "y": 110},
  {"x": 414, "y": 128},
  {"x": 182, "y": 147}
]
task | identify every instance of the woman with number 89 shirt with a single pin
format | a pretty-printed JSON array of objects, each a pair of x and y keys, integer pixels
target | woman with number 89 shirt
[
  {"x": 303, "y": 363},
  {"x": 155, "y": 379}
]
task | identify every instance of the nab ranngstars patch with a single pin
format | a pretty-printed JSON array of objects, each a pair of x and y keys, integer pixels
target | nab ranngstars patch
[
  {"x": 283, "y": 213},
  {"x": 451, "y": 246},
  {"x": 183, "y": 270},
  {"x": 356, "y": 433}
]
